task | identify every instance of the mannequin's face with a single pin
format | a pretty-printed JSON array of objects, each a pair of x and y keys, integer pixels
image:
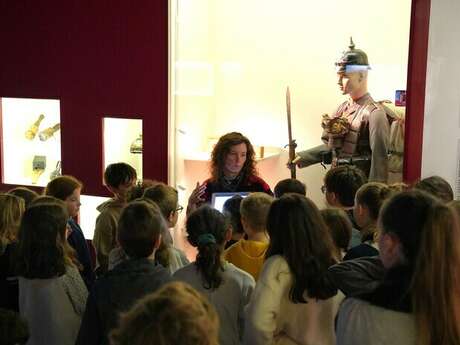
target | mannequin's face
[
  {"x": 235, "y": 159},
  {"x": 350, "y": 83}
]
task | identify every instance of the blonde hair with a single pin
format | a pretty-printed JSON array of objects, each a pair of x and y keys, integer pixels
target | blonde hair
[
  {"x": 254, "y": 209},
  {"x": 175, "y": 314},
  {"x": 11, "y": 210}
]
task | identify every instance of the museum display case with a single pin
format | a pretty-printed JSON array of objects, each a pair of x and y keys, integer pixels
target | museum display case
[
  {"x": 31, "y": 140},
  {"x": 234, "y": 78},
  {"x": 123, "y": 142}
]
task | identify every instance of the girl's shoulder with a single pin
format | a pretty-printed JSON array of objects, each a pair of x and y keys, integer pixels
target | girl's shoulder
[
  {"x": 233, "y": 272},
  {"x": 277, "y": 262}
]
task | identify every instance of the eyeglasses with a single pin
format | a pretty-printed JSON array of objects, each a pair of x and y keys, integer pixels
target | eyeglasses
[
  {"x": 323, "y": 189},
  {"x": 179, "y": 209}
]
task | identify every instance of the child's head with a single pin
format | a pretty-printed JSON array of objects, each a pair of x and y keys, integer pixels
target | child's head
[
  {"x": 368, "y": 201},
  {"x": 290, "y": 185},
  {"x": 28, "y": 195},
  {"x": 166, "y": 197},
  {"x": 42, "y": 239},
  {"x": 175, "y": 314},
  {"x": 208, "y": 230},
  {"x": 341, "y": 184},
  {"x": 420, "y": 235},
  {"x": 436, "y": 186},
  {"x": 138, "y": 190},
  {"x": 254, "y": 211},
  {"x": 139, "y": 229},
  {"x": 66, "y": 188},
  {"x": 340, "y": 227},
  {"x": 11, "y": 209},
  {"x": 398, "y": 187},
  {"x": 119, "y": 179},
  {"x": 231, "y": 210},
  {"x": 298, "y": 233}
]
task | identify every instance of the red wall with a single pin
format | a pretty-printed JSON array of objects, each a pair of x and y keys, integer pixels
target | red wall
[
  {"x": 99, "y": 58},
  {"x": 416, "y": 80}
]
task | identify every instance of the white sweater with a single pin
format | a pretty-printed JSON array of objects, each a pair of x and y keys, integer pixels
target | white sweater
[
  {"x": 273, "y": 319},
  {"x": 229, "y": 299}
]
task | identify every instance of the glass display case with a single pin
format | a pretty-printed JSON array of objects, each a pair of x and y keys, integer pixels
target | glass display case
[
  {"x": 123, "y": 142},
  {"x": 89, "y": 213},
  {"x": 31, "y": 140},
  {"x": 235, "y": 78}
]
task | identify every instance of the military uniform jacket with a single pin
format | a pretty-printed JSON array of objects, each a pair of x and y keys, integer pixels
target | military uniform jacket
[{"x": 368, "y": 137}]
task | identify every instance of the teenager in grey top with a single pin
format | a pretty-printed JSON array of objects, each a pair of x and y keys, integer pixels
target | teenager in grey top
[
  {"x": 52, "y": 295},
  {"x": 227, "y": 287}
]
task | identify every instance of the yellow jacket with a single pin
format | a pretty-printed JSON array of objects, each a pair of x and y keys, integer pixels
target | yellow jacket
[{"x": 247, "y": 255}]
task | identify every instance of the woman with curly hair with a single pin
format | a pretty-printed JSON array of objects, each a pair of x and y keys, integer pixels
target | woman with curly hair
[{"x": 233, "y": 169}]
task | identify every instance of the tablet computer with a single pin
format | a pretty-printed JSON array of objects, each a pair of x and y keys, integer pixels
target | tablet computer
[{"x": 218, "y": 199}]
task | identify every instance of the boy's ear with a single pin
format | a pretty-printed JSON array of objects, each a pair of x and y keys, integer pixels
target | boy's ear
[
  {"x": 157, "y": 242},
  {"x": 244, "y": 223},
  {"x": 112, "y": 190},
  {"x": 228, "y": 234},
  {"x": 171, "y": 216}
]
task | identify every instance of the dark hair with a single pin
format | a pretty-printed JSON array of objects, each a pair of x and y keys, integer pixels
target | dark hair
[
  {"x": 436, "y": 186},
  {"x": 138, "y": 190},
  {"x": 164, "y": 196},
  {"x": 25, "y": 193},
  {"x": 429, "y": 233},
  {"x": 372, "y": 195},
  {"x": 223, "y": 147},
  {"x": 139, "y": 227},
  {"x": 13, "y": 328},
  {"x": 62, "y": 187},
  {"x": 231, "y": 210},
  {"x": 41, "y": 252},
  {"x": 117, "y": 174},
  {"x": 340, "y": 227},
  {"x": 344, "y": 181},
  {"x": 290, "y": 185},
  {"x": 254, "y": 209},
  {"x": 298, "y": 233},
  {"x": 206, "y": 228},
  {"x": 175, "y": 314}
]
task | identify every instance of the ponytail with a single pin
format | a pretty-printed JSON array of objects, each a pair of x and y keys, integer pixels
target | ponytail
[
  {"x": 208, "y": 261},
  {"x": 435, "y": 282},
  {"x": 206, "y": 228}
]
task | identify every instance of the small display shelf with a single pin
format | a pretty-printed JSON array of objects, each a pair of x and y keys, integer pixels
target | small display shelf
[
  {"x": 31, "y": 140},
  {"x": 123, "y": 142}
]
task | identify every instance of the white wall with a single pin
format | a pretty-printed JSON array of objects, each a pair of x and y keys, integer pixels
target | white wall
[
  {"x": 441, "y": 130},
  {"x": 235, "y": 58}
]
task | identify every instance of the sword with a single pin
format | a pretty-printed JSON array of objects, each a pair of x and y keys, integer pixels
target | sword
[{"x": 292, "y": 144}]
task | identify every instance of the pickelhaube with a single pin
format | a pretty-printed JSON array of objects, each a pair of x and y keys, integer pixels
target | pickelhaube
[{"x": 352, "y": 60}]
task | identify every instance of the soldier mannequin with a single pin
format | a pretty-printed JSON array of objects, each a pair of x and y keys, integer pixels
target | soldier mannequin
[{"x": 365, "y": 144}]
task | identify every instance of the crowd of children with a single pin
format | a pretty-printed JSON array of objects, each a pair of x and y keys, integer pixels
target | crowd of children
[{"x": 379, "y": 265}]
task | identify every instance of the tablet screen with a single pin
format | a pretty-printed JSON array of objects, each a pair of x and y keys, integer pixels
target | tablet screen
[{"x": 218, "y": 199}]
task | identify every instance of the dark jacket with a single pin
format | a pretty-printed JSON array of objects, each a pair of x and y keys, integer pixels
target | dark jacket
[
  {"x": 78, "y": 242},
  {"x": 8, "y": 279},
  {"x": 359, "y": 276},
  {"x": 251, "y": 184},
  {"x": 115, "y": 292}
]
